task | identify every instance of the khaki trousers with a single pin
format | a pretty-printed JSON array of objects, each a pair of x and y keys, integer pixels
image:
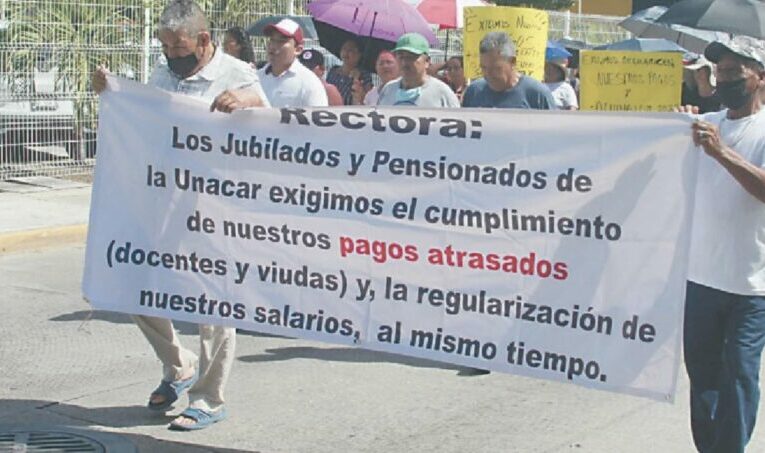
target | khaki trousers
[{"x": 216, "y": 355}]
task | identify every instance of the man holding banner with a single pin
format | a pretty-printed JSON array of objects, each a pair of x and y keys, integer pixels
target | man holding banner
[
  {"x": 725, "y": 301},
  {"x": 502, "y": 86},
  {"x": 197, "y": 68}
]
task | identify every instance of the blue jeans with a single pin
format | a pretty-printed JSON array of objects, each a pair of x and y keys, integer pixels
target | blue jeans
[{"x": 723, "y": 338}]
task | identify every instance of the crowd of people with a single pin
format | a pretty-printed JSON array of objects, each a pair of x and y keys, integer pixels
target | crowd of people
[
  {"x": 419, "y": 81},
  {"x": 724, "y": 329}
]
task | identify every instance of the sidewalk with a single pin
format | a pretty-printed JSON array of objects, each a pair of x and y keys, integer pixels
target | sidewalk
[{"x": 37, "y": 216}]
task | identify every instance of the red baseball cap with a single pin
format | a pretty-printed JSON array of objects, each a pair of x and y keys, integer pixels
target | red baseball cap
[{"x": 288, "y": 28}]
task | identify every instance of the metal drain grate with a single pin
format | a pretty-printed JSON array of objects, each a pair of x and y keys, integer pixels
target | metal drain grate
[
  {"x": 20, "y": 439},
  {"x": 46, "y": 441}
]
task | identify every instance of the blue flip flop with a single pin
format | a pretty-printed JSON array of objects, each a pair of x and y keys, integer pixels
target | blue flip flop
[
  {"x": 171, "y": 391},
  {"x": 202, "y": 419}
]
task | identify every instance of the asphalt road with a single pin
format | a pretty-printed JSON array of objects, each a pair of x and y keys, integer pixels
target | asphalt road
[{"x": 63, "y": 365}]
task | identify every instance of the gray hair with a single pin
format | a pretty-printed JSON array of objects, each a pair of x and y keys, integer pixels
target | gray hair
[
  {"x": 183, "y": 15},
  {"x": 499, "y": 41}
]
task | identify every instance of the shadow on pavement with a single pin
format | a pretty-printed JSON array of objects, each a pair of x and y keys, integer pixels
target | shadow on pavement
[
  {"x": 184, "y": 328},
  {"x": 251, "y": 333},
  {"x": 148, "y": 444},
  {"x": 112, "y": 417},
  {"x": 34, "y": 413},
  {"x": 354, "y": 355},
  {"x": 95, "y": 315}
]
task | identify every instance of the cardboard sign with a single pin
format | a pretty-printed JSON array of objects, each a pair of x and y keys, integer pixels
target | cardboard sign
[
  {"x": 526, "y": 26},
  {"x": 630, "y": 80}
]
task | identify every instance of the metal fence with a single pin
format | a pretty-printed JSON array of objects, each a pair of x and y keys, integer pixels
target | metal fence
[{"x": 48, "y": 49}]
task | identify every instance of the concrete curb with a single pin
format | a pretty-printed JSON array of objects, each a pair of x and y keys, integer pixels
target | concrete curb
[{"x": 39, "y": 238}]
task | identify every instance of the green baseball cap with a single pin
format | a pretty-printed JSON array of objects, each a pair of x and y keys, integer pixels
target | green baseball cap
[{"x": 414, "y": 43}]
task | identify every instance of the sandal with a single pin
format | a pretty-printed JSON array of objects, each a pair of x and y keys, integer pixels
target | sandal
[
  {"x": 171, "y": 391},
  {"x": 202, "y": 419}
]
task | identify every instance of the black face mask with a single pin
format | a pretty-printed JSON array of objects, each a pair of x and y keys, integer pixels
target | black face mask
[
  {"x": 182, "y": 66},
  {"x": 733, "y": 94}
]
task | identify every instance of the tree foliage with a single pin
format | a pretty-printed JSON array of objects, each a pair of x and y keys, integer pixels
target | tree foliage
[
  {"x": 73, "y": 37},
  {"x": 68, "y": 39},
  {"x": 553, "y": 5},
  {"x": 228, "y": 13}
]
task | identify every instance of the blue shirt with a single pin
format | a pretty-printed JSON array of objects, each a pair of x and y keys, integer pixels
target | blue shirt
[{"x": 528, "y": 93}]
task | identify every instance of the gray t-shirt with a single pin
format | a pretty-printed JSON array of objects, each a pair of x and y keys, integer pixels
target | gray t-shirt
[
  {"x": 433, "y": 93},
  {"x": 528, "y": 93}
]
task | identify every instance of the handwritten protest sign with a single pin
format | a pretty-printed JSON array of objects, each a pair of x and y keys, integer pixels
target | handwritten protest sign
[
  {"x": 474, "y": 237},
  {"x": 630, "y": 80},
  {"x": 527, "y": 27}
]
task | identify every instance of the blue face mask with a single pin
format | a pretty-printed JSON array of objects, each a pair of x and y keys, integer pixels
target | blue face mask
[{"x": 407, "y": 97}]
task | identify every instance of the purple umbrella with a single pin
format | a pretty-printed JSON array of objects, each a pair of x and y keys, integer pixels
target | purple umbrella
[{"x": 382, "y": 19}]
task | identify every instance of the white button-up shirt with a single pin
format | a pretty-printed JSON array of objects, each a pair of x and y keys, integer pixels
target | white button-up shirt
[
  {"x": 298, "y": 86},
  {"x": 223, "y": 72}
]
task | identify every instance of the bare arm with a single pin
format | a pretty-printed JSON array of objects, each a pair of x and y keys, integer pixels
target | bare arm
[
  {"x": 435, "y": 67},
  {"x": 750, "y": 176}
]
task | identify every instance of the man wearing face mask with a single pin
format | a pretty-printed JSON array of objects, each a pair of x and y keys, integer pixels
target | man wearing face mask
[
  {"x": 724, "y": 329},
  {"x": 195, "y": 67},
  {"x": 415, "y": 86}
]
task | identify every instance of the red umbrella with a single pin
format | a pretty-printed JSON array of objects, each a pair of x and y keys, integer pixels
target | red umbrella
[{"x": 446, "y": 13}]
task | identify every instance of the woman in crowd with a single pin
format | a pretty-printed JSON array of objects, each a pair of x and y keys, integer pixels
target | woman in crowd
[
  {"x": 455, "y": 75},
  {"x": 236, "y": 42},
  {"x": 452, "y": 73},
  {"x": 562, "y": 91},
  {"x": 386, "y": 68},
  {"x": 342, "y": 76}
]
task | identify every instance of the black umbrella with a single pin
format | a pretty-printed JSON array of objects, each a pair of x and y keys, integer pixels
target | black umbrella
[
  {"x": 740, "y": 17},
  {"x": 305, "y": 22},
  {"x": 569, "y": 44},
  {"x": 643, "y": 24},
  {"x": 643, "y": 45},
  {"x": 333, "y": 38}
]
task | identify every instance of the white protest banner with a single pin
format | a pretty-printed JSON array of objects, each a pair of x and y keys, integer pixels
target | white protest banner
[{"x": 544, "y": 244}]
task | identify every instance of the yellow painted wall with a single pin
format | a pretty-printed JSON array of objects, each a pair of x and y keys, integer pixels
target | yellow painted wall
[{"x": 604, "y": 7}]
